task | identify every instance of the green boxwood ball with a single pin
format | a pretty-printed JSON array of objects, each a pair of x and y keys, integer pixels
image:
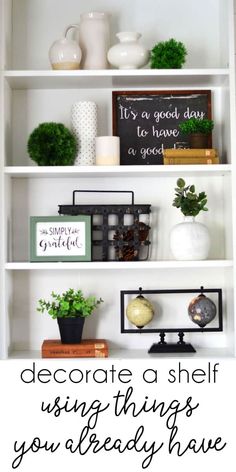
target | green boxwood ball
[
  {"x": 168, "y": 55},
  {"x": 52, "y": 144}
]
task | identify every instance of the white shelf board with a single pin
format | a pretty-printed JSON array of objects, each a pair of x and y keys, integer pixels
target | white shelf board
[
  {"x": 115, "y": 171},
  {"x": 114, "y": 265},
  {"x": 47, "y": 79},
  {"x": 133, "y": 354}
]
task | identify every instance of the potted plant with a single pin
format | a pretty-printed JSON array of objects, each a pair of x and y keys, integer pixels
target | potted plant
[
  {"x": 189, "y": 240},
  {"x": 198, "y": 130},
  {"x": 70, "y": 309},
  {"x": 52, "y": 144},
  {"x": 168, "y": 55}
]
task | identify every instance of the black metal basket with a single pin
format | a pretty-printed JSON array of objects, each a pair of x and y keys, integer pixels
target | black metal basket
[{"x": 115, "y": 237}]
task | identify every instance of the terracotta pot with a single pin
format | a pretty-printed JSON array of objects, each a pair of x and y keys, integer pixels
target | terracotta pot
[{"x": 198, "y": 141}]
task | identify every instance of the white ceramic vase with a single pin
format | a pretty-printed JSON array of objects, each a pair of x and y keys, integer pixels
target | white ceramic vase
[
  {"x": 94, "y": 40},
  {"x": 84, "y": 128},
  {"x": 65, "y": 54},
  {"x": 190, "y": 240},
  {"x": 128, "y": 54}
]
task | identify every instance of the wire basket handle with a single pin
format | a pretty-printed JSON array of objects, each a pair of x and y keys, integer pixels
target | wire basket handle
[{"x": 103, "y": 191}]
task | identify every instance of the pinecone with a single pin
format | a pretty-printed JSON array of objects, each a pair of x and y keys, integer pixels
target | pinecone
[{"x": 129, "y": 253}]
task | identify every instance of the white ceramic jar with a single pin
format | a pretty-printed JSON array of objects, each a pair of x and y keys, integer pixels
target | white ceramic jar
[
  {"x": 65, "y": 54},
  {"x": 190, "y": 240},
  {"x": 94, "y": 40},
  {"x": 128, "y": 54}
]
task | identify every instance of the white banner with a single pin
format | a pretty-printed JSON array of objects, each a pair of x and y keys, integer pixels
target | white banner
[{"x": 119, "y": 415}]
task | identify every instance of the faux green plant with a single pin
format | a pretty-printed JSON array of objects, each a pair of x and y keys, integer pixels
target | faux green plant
[
  {"x": 52, "y": 144},
  {"x": 197, "y": 125},
  {"x": 169, "y": 54},
  {"x": 71, "y": 303},
  {"x": 189, "y": 202}
]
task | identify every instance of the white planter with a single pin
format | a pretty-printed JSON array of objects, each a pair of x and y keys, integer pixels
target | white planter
[
  {"x": 128, "y": 54},
  {"x": 190, "y": 240}
]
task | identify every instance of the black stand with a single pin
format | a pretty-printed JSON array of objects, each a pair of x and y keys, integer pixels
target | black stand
[{"x": 163, "y": 346}]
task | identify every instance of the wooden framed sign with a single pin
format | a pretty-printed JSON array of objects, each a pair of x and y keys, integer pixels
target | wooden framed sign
[
  {"x": 147, "y": 122},
  {"x": 60, "y": 238}
]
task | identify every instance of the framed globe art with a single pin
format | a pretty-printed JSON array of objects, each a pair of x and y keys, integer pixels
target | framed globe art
[
  {"x": 60, "y": 238},
  {"x": 167, "y": 311}
]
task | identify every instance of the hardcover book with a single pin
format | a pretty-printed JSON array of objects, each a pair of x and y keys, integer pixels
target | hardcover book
[
  {"x": 190, "y": 160},
  {"x": 53, "y": 348},
  {"x": 186, "y": 153}
]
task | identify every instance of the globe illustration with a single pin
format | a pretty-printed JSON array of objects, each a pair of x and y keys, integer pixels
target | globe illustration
[
  {"x": 139, "y": 311},
  {"x": 202, "y": 310}
]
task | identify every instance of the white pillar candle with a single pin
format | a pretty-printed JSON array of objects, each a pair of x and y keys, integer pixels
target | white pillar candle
[{"x": 107, "y": 151}]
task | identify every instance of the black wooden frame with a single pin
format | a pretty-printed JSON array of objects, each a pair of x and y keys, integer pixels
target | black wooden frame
[
  {"x": 144, "y": 93},
  {"x": 171, "y": 292}
]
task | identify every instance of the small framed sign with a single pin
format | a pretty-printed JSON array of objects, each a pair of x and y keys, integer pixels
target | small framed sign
[{"x": 60, "y": 238}]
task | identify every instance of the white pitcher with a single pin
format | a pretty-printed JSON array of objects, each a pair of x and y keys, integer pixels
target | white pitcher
[{"x": 65, "y": 53}]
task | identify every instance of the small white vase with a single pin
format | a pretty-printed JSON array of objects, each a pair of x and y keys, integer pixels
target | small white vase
[
  {"x": 190, "y": 240},
  {"x": 65, "y": 54},
  {"x": 128, "y": 54}
]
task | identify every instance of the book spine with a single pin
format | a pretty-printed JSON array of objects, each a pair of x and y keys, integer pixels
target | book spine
[
  {"x": 190, "y": 160},
  {"x": 190, "y": 153},
  {"x": 81, "y": 346},
  {"x": 74, "y": 353}
]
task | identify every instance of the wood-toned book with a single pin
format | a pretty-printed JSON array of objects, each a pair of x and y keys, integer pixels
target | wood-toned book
[
  {"x": 53, "y": 348},
  {"x": 190, "y": 160},
  {"x": 186, "y": 153}
]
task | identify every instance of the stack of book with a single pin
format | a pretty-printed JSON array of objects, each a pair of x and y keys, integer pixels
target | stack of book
[
  {"x": 87, "y": 348},
  {"x": 190, "y": 156}
]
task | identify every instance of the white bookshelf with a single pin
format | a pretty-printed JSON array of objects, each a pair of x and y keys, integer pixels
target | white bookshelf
[
  {"x": 113, "y": 171},
  {"x": 41, "y": 79},
  {"x": 134, "y": 265},
  {"x": 31, "y": 93},
  {"x": 119, "y": 354}
]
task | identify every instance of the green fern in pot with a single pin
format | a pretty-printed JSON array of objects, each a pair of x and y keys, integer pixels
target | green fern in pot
[{"x": 70, "y": 309}]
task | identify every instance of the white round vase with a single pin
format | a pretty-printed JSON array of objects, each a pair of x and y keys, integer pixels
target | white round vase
[
  {"x": 65, "y": 54},
  {"x": 190, "y": 240},
  {"x": 128, "y": 54}
]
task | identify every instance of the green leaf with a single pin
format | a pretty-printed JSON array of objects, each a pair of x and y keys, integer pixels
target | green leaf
[
  {"x": 68, "y": 304},
  {"x": 191, "y": 196},
  {"x": 180, "y": 183}
]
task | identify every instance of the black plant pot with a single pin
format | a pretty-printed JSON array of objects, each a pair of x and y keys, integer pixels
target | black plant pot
[{"x": 71, "y": 329}]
